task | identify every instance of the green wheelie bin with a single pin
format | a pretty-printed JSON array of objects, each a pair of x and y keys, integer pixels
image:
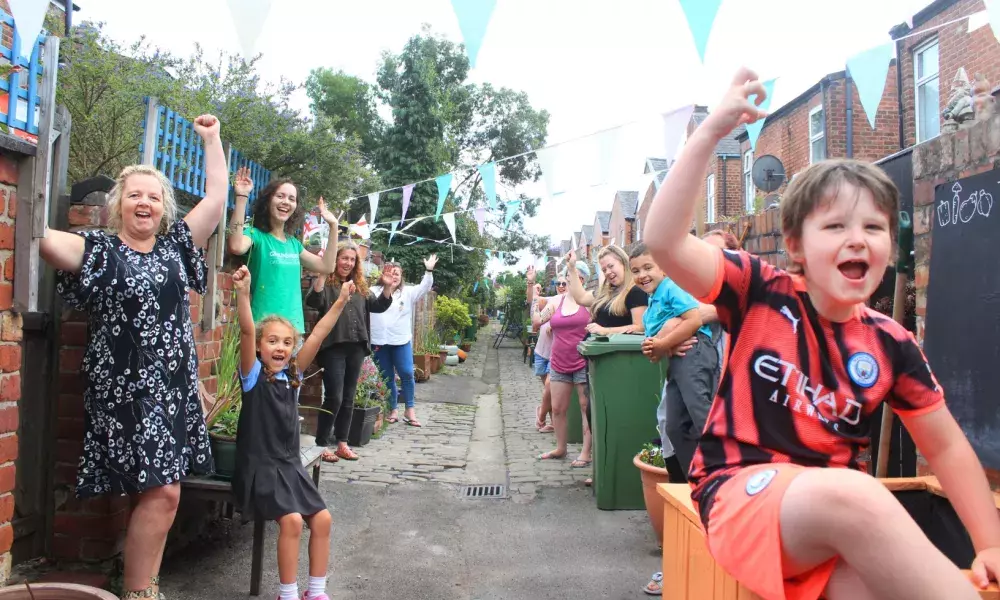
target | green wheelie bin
[{"x": 625, "y": 390}]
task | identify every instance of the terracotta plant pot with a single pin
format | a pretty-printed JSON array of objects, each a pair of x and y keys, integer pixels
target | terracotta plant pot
[
  {"x": 55, "y": 591},
  {"x": 422, "y": 367},
  {"x": 466, "y": 348},
  {"x": 435, "y": 363},
  {"x": 651, "y": 476}
]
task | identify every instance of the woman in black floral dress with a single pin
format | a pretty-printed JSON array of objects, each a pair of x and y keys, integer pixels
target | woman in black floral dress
[{"x": 144, "y": 424}]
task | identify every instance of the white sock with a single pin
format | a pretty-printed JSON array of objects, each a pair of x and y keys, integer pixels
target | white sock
[
  {"x": 288, "y": 591},
  {"x": 317, "y": 585}
]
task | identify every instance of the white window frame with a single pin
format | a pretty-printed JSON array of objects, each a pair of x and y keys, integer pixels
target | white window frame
[
  {"x": 919, "y": 81},
  {"x": 749, "y": 191},
  {"x": 815, "y": 137},
  {"x": 638, "y": 229},
  {"x": 710, "y": 198}
]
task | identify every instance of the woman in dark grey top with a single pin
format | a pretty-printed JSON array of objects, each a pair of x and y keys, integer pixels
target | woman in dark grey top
[{"x": 344, "y": 350}]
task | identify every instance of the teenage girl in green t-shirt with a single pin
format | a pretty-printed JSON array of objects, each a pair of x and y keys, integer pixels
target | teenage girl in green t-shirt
[{"x": 276, "y": 256}]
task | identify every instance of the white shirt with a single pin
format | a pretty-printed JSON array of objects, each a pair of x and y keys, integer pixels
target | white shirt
[{"x": 394, "y": 327}]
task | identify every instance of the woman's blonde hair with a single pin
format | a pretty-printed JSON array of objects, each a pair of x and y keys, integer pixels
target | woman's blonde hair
[
  {"x": 293, "y": 369},
  {"x": 115, "y": 198},
  {"x": 613, "y": 297},
  {"x": 357, "y": 275}
]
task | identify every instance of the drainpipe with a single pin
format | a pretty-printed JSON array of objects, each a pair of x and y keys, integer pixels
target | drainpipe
[
  {"x": 725, "y": 159},
  {"x": 68, "y": 5},
  {"x": 899, "y": 92},
  {"x": 849, "y": 97}
]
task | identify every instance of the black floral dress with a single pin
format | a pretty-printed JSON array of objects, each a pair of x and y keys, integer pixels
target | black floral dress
[{"x": 144, "y": 423}]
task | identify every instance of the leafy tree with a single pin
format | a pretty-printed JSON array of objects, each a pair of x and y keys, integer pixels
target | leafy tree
[
  {"x": 440, "y": 123},
  {"x": 350, "y": 104}
]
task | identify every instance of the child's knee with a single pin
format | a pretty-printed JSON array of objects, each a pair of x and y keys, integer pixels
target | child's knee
[
  {"x": 321, "y": 522},
  {"x": 842, "y": 501},
  {"x": 291, "y": 524}
]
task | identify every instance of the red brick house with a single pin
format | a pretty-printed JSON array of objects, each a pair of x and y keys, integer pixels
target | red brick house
[
  {"x": 623, "y": 214},
  {"x": 602, "y": 229},
  {"x": 814, "y": 126}
]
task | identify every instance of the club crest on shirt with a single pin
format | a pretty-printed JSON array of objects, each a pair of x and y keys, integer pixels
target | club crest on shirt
[
  {"x": 863, "y": 369},
  {"x": 759, "y": 481}
]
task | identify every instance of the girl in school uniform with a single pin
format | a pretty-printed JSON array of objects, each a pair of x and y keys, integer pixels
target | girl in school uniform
[{"x": 269, "y": 481}]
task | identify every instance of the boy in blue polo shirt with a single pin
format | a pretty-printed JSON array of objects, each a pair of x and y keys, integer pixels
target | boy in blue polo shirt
[{"x": 693, "y": 376}]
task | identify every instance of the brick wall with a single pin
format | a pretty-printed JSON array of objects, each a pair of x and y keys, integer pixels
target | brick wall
[
  {"x": 869, "y": 144},
  {"x": 10, "y": 359},
  {"x": 786, "y": 136},
  {"x": 92, "y": 529},
  {"x": 978, "y": 52},
  {"x": 616, "y": 228},
  {"x": 935, "y": 162},
  {"x": 763, "y": 235},
  {"x": 728, "y": 171}
]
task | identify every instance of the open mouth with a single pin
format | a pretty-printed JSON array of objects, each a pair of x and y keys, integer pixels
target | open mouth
[
  {"x": 643, "y": 282},
  {"x": 284, "y": 211},
  {"x": 277, "y": 357},
  {"x": 855, "y": 270},
  {"x": 143, "y": 214}
]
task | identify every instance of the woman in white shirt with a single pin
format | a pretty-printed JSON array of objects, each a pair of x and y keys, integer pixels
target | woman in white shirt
[{"x": 392, "y": 338}]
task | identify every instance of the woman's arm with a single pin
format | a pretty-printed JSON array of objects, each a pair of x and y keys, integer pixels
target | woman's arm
[
  {"x": 63, "y": 251},
  {"x": 237, "y": 242},
  {"x": 324, "y": 326},
  {"x": 248, "y": 330},
  {"x": 328, "y": 263},
  {"x": 317, "y": 297},
  {"x": 580, "y": 295},
  {"x": 205, "y": 216}
]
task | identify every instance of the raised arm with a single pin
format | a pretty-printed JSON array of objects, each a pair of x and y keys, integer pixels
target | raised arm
[
  {"x": 205, "y": 216},
  {"x": 428, "y": 279},
  {"x": 248, "y": 330},
  {"x": 236, "y": 241},
  {"x": 691, "y": 262},
  {"x": 582, "y": 296},
  {"x": 324, "y": 326},
  {"x": 63, "y": 251},
  {"x": 327, "y": 264}
]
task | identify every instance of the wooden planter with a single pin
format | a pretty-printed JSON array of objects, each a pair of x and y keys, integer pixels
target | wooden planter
[
  {"x": 690, "y": 572},
  {"x": 651, "y": 477}
]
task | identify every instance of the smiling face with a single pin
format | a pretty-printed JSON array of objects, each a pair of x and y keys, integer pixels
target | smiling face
[
  {"x": 346, "y": 259},
  {"x": 562, "y": 284},
  {"x": 645, "y": 273},
  {"x": 844, "y": 250},
  {"x": 141, "y": 206},
  {"x": 397, "y": 276},
  {"x": 613, "y": 270},
  {"x": 276, "y": 344},
  {"x": 283, "y": 204}
]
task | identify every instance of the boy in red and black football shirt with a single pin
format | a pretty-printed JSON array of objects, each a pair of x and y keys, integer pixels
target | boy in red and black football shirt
[{"x": 777, "y": 475}]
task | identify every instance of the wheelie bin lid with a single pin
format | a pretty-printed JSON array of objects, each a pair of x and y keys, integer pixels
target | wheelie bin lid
[{"x": 606, "y": 344}]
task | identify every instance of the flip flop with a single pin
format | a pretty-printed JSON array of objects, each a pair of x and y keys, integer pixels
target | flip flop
[
  {"x": 580, "y": 464},
  {"x": 393, "y": 419},
  {"x": 550, "y": 456},
  {"x": 412, "y": 422},
  {"x": 655, "y": 585}
]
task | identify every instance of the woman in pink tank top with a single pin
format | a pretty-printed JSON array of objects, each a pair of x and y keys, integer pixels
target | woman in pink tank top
[{"x": 567, "y": 368}]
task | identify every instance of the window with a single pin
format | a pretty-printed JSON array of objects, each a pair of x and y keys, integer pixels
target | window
[
  {"x": 710, "y": 199},
  {"x": 817, "y": 134},
  {"x": 749, "y": 192},
  {"x": 928, "y": 99},
  {"x": 638, "y": 229}
]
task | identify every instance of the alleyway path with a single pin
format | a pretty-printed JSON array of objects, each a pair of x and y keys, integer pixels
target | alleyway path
[{"x": 401, "y": 530}]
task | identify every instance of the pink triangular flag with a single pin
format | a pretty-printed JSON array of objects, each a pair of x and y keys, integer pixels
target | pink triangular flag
[
  {"x": 407, "y": 192},
  {"x": 480, "y": 214},
  {"x": 674, "y": 128}
]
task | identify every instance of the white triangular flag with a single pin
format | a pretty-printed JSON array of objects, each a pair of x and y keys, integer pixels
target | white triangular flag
[
  {"x": 249, "y": 17},
  {"x": 547, "y": 161},
  {"x": 28, "y": 18},
  {"x": 449, "y": 220},
  {"x": 675, "y": 125},
  {"x": 413, "y": 222},
  {"x": 373, "y": 204}
]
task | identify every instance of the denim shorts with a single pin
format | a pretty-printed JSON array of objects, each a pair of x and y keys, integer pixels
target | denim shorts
[
  {"x": 574, "y": 377},
  {"x": 541, "y": 366}
]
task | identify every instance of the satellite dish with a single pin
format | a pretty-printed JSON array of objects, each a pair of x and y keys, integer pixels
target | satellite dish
[{"x": 768, "y": 173}]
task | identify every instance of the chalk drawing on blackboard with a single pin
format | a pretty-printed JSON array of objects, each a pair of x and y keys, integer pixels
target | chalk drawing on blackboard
[{"x": 950, "y": 212}]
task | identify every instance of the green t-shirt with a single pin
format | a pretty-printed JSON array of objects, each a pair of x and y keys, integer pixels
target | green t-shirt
[{"x": 275, "y": 277}]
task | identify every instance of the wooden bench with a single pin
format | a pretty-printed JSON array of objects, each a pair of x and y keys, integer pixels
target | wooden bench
[
  {"x": 690, "y": 572},
  {"x": 217, "y": 490}
]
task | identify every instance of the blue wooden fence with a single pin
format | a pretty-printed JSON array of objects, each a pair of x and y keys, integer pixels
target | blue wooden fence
[
  {"x": 180, "y": 155},
  {"x": 22, "y": 101}
]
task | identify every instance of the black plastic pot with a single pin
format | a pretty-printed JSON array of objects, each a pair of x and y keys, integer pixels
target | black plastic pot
[
  {"x": 224, "y": 456},
  {"x": 362, "y": 425}
]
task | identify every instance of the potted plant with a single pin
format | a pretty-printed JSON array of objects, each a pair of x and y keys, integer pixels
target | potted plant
[
  {"x": 466, "y": 346},
  {"x": 224, "y": 415},
  {"x": 371, "y": 394},
  {"x": 53, "y": 591},
  {"x": 432, "y": 347},
  {"x": 653, "y": 471}
]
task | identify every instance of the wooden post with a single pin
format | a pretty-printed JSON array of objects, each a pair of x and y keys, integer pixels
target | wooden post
[{"x": 33, "y": 190}]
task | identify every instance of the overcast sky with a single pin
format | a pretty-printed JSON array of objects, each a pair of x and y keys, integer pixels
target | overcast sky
[{"x": 593, "y": 64}]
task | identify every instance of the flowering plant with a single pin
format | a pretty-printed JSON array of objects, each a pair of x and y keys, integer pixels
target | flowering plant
[{"x": 372, "y": 389}]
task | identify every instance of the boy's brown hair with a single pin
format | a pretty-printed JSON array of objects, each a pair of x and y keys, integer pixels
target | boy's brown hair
[
  {"x": 638, "y": 249},
  {"x": 819, "y": 183}
]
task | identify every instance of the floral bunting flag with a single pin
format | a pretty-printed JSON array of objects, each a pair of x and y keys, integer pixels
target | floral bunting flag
[{"x": 444, "y": 186}]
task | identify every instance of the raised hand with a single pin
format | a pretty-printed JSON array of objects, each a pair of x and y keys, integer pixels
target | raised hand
[
  {"x": 206, "y": 126},
  {"x": 243, "y": 184},
  {"x": 530, "y": 274},
  {"x": 736, "y": 109},
  {"x": 538, "y": 290},
  {"x": 241, "y": 280},
  {"x": 387, "y": 279},
  {"x": 345, "y": 293},
  {"x": 328, "y": 216},
  {"x": 430, "y": 262},
  {"x": 571, "y": 260}
]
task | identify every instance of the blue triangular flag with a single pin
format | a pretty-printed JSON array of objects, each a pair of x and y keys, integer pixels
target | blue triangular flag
[
  {"x": 700, "y": 17},
  {"x": 489, "y": 174},
  {"x": 489, "y": 254},
  {"x": 512, "y": 207},
  {"x": 475, "y": 287},
  {"x": 444, "y": 186},
  {"x": 501, "y": 257},
  {"x": 753, "y": 129},
  {"x": 869, "y": 70},
  {"x": 473, "y": 19},
  {"x": 392, "y": 233}
]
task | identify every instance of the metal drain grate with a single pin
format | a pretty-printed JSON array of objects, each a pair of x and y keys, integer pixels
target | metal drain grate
[{"x": 483, "y": 491}]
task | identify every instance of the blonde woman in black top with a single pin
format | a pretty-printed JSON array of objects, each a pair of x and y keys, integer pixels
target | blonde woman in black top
[{"x": 618, "y": 305}]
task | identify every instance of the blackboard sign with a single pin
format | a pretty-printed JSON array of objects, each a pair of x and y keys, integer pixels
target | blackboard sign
[{"x": 962, "y": 327}]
